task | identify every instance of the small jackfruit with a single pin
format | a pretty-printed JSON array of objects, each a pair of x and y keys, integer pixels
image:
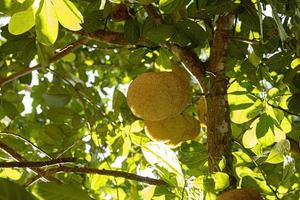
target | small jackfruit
[{"x": 173, "y": 131}]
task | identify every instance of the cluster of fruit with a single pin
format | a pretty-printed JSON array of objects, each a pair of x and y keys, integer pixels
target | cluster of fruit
[{"x": 160, "y": 99}]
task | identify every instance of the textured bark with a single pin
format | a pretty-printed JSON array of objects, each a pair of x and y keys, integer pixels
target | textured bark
[{"x": 218, "y": 120}]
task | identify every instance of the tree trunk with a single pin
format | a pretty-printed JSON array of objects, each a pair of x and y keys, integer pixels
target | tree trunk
[{"x": 218, "y": 120}]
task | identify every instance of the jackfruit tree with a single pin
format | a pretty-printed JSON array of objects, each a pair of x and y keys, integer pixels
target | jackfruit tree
[{"x": 149, "y": 99}]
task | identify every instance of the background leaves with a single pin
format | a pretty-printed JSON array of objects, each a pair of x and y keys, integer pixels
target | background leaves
[{"x": 76, "y": 107}]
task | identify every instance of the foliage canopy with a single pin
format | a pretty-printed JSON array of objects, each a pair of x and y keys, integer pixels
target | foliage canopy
[{"x": 66, "y": 131}]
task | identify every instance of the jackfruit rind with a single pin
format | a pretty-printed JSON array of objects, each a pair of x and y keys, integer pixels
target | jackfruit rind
[
  {"x": 240, "y": 194},
  {"x": 173, "y": 131},
  {"x": 192, "y": 128},
  {"x": 155, "y": 96},
  {"x": 185, "y": 77}
]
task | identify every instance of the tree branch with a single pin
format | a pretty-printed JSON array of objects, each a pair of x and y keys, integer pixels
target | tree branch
[
  {"x": 64, "y": 51},
  {"x": 191, "y": 61},
  {"x": 218, "y": 117},
  {"x": 7, "y": 133},
  {"x": 107, "y": 37},
  {"x": 114, "y": 173},
  {"x": 20, "y": 158},
  {"x": 187, "y": 56},
  {"x": 153, "y": 14},
  {"x": 36, "y": 164},
  {"x": 282, "y": 109}
]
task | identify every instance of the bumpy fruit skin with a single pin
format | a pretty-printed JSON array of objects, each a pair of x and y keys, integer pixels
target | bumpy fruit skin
[
  {"x": 173, "y": 131},
  {"x": 184, "y": 76},
  {"x": 240, "y": 194},
  {"x": 192, "y": 128},
  {"x": 156, "y": 96}
]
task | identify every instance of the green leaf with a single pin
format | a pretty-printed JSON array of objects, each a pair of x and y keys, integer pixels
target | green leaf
[
  {"x": 221, "y": 7},
  {"x": 56, "y": 97},
  {"x": 10, "y": 7},
  {"x": 293, "y": 103},
  {"x": 60, "y": 115},
  {"x": 171, "y": 6},
  {"x": 53, "y": 133},
  {"x": 243, "y": 111},
  {"x": 126, "y": 146},
  {"x": 249, "y": 137},
  {"x": 12, "y": 191},
  {"x": 57, "y": 101},
  {"x": 263, "y": 125},
  {"x": 221, "y": 180},
  {"x": 67, "y": 14},
  {"x": 148, "y": 192},
  {"x": 44, "y": 53},
  {"x": 118, "y": 100},
  {"x": 8, "y": 109},
  {"x": 163, "y": 60},
  {"x": 193, "y": 31},
  {"x": 274, "y": 157},
  {"x": 136, "y": 55},
  {"x": 161, "y": 33},
  {"x": 21, "y": 22},
  {"x": 132, "y": 30},
  {"x": 138, "y": 139},
  {"x": 277, "y": 153},
  {"x": 241, "y": 157},
  {"x": 54, "y": 191},
  {"x": 137, "y": 126},
  {"x": 254, "y": 59},
  {"x": 46, "y": 23},
  {"x": 69, "y": 57},
  {"x": 296, "y": 80},
  {"x": 289, "y": 168},
  {"x": 165, "y": 160},
  {"x": 282, "y": 33},
  {"x": 146, "y": 1},
  {"x": 165, "y": 2}
]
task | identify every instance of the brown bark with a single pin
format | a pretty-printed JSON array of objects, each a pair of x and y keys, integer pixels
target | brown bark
[{"x": 218, "y": 120}]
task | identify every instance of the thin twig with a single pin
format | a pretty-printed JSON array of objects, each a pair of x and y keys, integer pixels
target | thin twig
[
  {"x": 259, "y": 168},
  {"x": 109, "y": 37},
  {"x": 20, "y": 158},
  {"x": 26, "y": 141},
  {"x": 36, "y": 164},
  {"x": 64, "y": 51},
  {"x": 240, "y": 39},
  {"x": 114, "y": 173},
  {"x": 282, "y": 109}
]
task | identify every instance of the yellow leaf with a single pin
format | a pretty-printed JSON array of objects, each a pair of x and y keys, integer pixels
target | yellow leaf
[
  {"x": 21, "y": 22},
  {"x": 249, "y": 137},
  {"x": 147, "y": 192},
  {"x": 68, "y": 15},
  {"x": 46, "y": 23}
]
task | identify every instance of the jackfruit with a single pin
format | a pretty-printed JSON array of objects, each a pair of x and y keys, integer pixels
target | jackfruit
[
  {"x": 173, "y": 131},
  {"x": 156, "y": 96},
  {"x": 240, "y": 194}
]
